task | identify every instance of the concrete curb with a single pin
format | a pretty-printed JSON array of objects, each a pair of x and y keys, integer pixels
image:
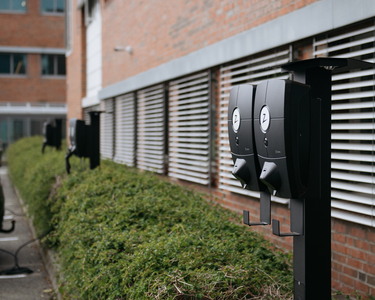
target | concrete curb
[{"x": 49, "y": 257}]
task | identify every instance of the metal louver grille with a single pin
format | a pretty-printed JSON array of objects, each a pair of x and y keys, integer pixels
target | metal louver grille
[
  {"x": 250, "y": 71},
  {"x": 106, "y": 129},
  {"x": 352, "y": 126},
  {"x": 189, "y": 129},
  {"x": 125, "y": 130},
  {"x": 151, "y": 129},
  {"x": 86, "y": 115}
]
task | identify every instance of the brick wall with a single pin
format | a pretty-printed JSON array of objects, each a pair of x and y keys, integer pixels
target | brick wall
[
  {"x": 32, "y": 29},
  {"x": 353, "y": 257},
  {"x": 76, "y": 66},
  {"x": 162, "y": 30}
]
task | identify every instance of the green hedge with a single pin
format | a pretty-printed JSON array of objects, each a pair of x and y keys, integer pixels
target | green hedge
[
  {"x": 125, "y": 234},
  {"x": 34, "y": 174}
]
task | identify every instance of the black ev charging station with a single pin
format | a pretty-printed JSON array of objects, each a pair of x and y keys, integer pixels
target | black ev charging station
[
  {"x": 280, "y": 139},
  {"x": 84, "y": 140},
  {"x": 52, "y": 132}
]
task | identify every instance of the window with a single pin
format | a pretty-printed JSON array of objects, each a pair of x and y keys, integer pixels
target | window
[
  {"x": 53, "y": 65},
  {"x": 13, "y": 64},
  {"x": 52, "y": 6},
  {"x": 13, "y": 5}
]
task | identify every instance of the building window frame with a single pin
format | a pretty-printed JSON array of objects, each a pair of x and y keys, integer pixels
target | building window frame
[
  {"x": 55, "y": 66},
  {"x": 13, "y": 10},
  {"x": 12, "y": 71},
  {"x": 55, "y": 8}
]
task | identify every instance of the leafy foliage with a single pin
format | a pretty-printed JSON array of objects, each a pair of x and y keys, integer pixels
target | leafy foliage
[
  {"x": 126, "y": 234},
  {"x": 34, "y": 175}
]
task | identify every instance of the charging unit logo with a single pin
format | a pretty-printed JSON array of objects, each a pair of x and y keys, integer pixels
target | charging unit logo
[
  {"x": 264, "y": 118},
  {"x": 236, "y": 119}
]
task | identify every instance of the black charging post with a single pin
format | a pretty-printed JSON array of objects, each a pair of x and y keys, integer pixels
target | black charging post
[
  {"x": 52, "y": 134},
  {"x": 94, "y": 139},
  {"x": 312, "y": 250},
  {"x": 58, "y": 133}
]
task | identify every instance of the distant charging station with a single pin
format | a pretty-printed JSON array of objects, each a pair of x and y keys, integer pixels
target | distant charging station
[
  {"x": 52, "y": 132},
  {"x": 280, "y": 139},
  {"x": 84, "y": 140}
]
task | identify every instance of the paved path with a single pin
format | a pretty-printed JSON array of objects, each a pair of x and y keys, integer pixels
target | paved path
[{"x": 26, "y": 286}]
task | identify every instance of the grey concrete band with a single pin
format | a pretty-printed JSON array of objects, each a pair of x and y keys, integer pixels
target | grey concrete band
[{"x": 31, "y": 50}]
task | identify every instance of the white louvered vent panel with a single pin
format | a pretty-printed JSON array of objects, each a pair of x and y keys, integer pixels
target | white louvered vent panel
[
  {"x": 106, "y": 129},
  {"x": 86, "y": 115},
  {"x": 352, "y": 125},
  {"x": 125, "y": 130},
  {"x": 252, "y": 71},
  {"x": 150, "y": 132},
  {"x": 189, "y": 129}
]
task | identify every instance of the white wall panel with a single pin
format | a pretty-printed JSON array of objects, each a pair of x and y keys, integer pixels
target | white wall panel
[
  {"x": 125, "y": 131},
  {"x": 94, "y": 53},
  {"x": 352, "y": 125},
  {"x": 189, "y": 128},
  {"x": 151, "y": 129},
  {"x": 106, "y": 129}
]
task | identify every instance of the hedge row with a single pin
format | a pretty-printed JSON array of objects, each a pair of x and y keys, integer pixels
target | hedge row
[{"x": 126, "y": 234}]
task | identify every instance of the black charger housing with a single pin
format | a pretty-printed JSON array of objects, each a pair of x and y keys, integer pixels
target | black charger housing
[
  {"x": 241, "y": 137},
  {"x": 52, "y": 132},
  {"x": 282, "y": 136}
]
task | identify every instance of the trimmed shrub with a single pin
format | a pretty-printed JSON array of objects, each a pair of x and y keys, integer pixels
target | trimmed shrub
[
  {"x": 34, "y": 175},
  {"x": 126, "y": 234}
]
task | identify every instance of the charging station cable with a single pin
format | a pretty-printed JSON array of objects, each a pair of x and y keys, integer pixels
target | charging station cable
[{"x": 17, "y": 269}]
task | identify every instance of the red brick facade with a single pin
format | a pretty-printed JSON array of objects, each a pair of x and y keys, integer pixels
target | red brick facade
[
  {"x": 353, "y": 257},
  {"x": 32, "y": 29},
  {"x": 160, "y": 31},
  {"x": 36, "y": 30},
  {"x": 76, "y": 66}
]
